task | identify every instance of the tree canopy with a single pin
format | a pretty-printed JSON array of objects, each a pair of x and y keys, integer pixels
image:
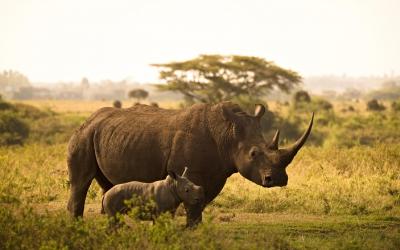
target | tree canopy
[
  {"x": 215, "y": 78},
  {"x": 138, "y": 94}
]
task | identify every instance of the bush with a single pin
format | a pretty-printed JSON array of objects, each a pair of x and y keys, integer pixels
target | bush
[
  {"x": 374, "y": 105},
  {"x": 30, "y": 112},
  {"x": 20, "y": 123},
  {"x": 322, "y": 104},
  {"x": 395, "y": 106},
  {"x": 27, "y": 229},
  {"x": 364, "y": 130},
  {"x": 154, "y": 104},
  {"x": 301, "y": 96},
  {"x": 117, "y": 104},
  {"x": 5, "y": 105},
  {"x": 13, "y": 130},
  {"x": 302, "y": 102}
]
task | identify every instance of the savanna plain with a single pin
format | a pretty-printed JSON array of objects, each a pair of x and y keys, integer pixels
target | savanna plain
[{"x": 343, "y": 190}]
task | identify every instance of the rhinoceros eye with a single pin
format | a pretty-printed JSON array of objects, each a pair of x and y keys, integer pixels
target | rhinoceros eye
[{"x": 254, "y": 152}]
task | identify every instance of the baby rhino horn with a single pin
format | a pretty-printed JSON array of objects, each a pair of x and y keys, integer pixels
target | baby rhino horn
[{"x": 184, "y": 172}]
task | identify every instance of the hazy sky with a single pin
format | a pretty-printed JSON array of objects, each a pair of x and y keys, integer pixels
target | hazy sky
[{"x": 50, "y": 40}]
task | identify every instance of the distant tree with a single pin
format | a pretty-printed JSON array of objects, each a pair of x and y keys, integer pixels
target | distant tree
[
  {"x": 138, "y": 94},
  {"x": 301, "y": 96},
  {"x": 117, "y": 104},
  {"x": 374, "y": 105},
  {"x": 214, "y": 78},
  {"x": 85, "y": 83},
  {"x": 13, "y": 78}
]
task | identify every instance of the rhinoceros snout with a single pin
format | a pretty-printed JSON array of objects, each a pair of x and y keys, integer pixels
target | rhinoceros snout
[{"x": 267, "y": 181}]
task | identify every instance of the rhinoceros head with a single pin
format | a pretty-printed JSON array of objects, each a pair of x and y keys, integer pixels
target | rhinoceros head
[
  {"x": 255, "y": 159},
  {"x": 186, "y": 190}
]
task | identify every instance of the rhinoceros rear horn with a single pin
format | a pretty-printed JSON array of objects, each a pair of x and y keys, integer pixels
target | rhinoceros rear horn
[
  {"x": 287, "y": 154},
  {"x": 275, "y": 141},
  {"x": 260, "y": 110}
]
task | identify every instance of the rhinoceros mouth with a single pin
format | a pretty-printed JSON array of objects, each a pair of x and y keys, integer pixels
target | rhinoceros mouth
[
  {"x": 266, "y": 181},
  {"x": 267, "y": 185}
]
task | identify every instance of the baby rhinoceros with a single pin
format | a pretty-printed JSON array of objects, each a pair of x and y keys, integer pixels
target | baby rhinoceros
[{"x": 167, "y": 194}]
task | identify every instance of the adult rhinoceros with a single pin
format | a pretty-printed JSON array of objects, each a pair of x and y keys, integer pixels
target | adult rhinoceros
[{"x": 142, "y": 142}]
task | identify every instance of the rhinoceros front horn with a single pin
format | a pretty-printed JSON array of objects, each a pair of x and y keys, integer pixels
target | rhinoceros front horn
[{"x": 287, "y": 154}]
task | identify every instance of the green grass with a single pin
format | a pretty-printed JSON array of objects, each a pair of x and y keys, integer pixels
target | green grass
[
  {"x": 360, "y": 180},
  {"x": 337, "y": 198},
  {"x": 316, "y": 232},
  {"x": 340, "y": 196},
  {"x": 24, "y": 228}
]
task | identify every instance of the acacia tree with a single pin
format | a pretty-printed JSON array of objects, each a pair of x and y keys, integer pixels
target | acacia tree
[
  {"x": 215, "y": 78},
  {"x": 138, "y": 94}
]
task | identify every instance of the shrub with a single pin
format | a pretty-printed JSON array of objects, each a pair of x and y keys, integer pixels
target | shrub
[
  {"x": 303, "y": 102},
  {"x": 20, "y": 123},
  {"x": 374, "y": 105},
  {"x": 5, "y": 105},
  {"x": 322, "y": 104},
  {"x": 301, "y": 96},
  {"x": 395, "y": 106},
  {"x": 30, "y": 112},
  {"x": 117, "y": 104},
  {"x": 54, "y": 129},
  {"x": 13, "y": 130},
  {"x": 154, "y": 104},
  {"x": 28, "y": 229}
]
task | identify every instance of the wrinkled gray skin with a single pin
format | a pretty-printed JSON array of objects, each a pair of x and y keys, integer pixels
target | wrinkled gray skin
[
  {"x": 142, "y": 143},
  {"x": 167, "y": 194}
]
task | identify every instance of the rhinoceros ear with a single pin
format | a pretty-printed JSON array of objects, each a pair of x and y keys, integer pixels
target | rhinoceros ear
[
  {"x": 260, "y": 110},
  {"x": 172, "y": 174}
]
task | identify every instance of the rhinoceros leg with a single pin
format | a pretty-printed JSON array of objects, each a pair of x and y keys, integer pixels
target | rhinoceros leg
[
  {"x": 77, "y": 197},
  {"x": 82, "y": 169},
  {"x": 193, "y": 215}
]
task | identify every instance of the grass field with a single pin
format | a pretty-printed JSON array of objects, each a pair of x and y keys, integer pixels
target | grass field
[
  {"x": 81, "y": 106},
  {"x": 85, "y": 107},
  {"x": 337, "y": 198}
]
